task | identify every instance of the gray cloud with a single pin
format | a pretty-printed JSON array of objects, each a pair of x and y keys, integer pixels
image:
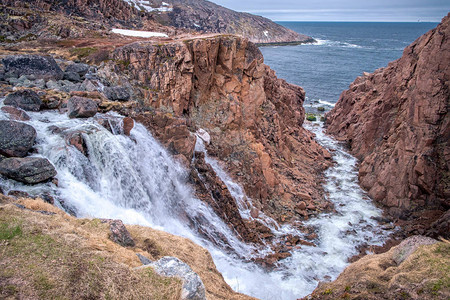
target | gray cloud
[{"x": 343, "y": 10}]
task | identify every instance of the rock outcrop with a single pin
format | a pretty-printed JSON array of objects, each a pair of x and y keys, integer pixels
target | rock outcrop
[
  {"x": 25, "y": 21},
  {"x": 254, "y": 119},
  {"x": 418, "y": 268},
  {"x": 192, "y": 288},
  {"x": 396, "y": 121},
  {"x": 207, "y": 17}
]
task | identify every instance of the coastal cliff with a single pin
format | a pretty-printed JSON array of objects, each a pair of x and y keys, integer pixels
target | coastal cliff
[
  {"x": 28, "y": 20},
  {"x": 396, "y": 121},
  {"x": 254, "y": 119}
]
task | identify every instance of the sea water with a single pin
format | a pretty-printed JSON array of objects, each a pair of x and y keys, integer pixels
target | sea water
[{"x": 343, "y": 51}]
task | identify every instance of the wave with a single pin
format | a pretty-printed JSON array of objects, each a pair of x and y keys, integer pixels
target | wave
[
  {"x": 329, "y": 43},
  {"x": 327, "y": 103}
]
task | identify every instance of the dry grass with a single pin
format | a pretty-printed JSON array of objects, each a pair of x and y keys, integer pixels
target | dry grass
[
  {"x": 52, "y": 258},
  {"x": 198, "y": 258},
  {"x": 61, "y": 257},
  {"x": 425, "y": 274}
]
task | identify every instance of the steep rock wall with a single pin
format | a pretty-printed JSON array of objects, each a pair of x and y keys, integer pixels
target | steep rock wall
[
  {"x": 396, "y": 122},
  {"x": 255, "y": 120}
]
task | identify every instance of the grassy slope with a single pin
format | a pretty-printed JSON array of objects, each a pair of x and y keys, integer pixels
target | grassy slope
[
  {"x": 61, "y": 257},
  {"x": 425, "y": 274}
]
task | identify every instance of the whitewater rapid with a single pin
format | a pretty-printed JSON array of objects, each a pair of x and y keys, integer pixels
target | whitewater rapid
[{"x": 135, "y": 179}]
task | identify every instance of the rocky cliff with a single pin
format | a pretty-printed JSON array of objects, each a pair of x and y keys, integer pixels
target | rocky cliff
[
  {"x": 215, "y": 87},
  {"x": 205, "y": 16},
  {"x": 28, "y": 20},
  {"x": 254, "y": 119},
  {"x": 396, "y": 121}
]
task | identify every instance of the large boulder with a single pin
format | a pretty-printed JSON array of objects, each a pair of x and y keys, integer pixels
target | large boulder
[
  {"x": 80, "y": 107},
  {"x": 193, "y": 288},
  {"x": 26, "y": 99},
  {"x": 42, "y": 67},
  {"x": 117, "y": 93},
  {"x": 30, "y": 170},
  {"x": 16, "y": 138}
]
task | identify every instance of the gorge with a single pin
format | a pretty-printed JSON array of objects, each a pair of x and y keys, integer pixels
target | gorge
[{"x": 190, "y": 134}]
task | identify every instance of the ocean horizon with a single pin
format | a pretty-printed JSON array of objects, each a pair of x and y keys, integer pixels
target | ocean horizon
[{"x": 343, "y": 51}]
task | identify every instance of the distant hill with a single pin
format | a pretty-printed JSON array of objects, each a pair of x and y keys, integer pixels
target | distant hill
[
  {"x": 208, "y": 17},
  {"x": 172, "y": 17}
]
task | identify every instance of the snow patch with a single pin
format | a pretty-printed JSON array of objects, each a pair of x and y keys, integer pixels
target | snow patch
[
  {"x": 145, "y": 5},
  {"x": 144, "y": 34}
]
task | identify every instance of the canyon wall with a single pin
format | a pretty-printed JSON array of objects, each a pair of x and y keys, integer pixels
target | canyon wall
[
  {"x": 221, "y": 85},
  {"x": 396, "y": 122}
]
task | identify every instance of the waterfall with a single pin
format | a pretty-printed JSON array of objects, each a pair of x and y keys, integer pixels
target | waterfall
[{"x": 134, "y": 179}]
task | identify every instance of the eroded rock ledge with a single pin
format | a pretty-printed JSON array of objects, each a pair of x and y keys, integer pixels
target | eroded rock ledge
[
  {"x": 396, "y": 122},
  {"x": 255, "y": 120}
]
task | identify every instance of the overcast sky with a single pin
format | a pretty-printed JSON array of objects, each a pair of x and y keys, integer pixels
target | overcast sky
[{"x": 343, "y": 10}]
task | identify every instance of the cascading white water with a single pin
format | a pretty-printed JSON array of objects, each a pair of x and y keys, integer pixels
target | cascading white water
[{"x": 135, "y": 179}]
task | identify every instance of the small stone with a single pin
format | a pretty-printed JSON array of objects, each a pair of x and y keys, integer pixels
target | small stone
[
  {"x": 16, "y": 113},
  {"x": 53, "y": 85},
  {"x": 47, "y": 198},
  {"x": 80, "y": 107},
  {"x": 79, "y": 68},
  {"x": 119, "y": 233},
  {"x": 18, "y": 194},
  {"x": 254, "y": 213},
  {"x": 117, "y": 93},
  {"x": 72, "y": 76},
  {"x": 76, "y": 139},
  {"x": 301, "y": 205},
  {"x": 26, "y": 99},
  {"x": 128, "y": 124},
  {"x": 144, "y": 260}
]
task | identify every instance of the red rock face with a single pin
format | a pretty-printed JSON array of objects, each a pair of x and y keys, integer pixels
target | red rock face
[
  {"x": 221, "y": 84},
  {"x": 396, "y": 122}
]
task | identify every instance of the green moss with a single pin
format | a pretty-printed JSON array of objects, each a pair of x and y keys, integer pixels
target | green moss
[
  {"x": 8, "y": 231},
  {"x": 83, "y": 52},
  {"x": 124, "y": 63},
  {"x": 311, "y": 117},
  {"x": 327, "y": 292}
]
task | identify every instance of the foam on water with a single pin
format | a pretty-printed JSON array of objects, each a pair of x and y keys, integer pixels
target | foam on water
[
  {"x": 136, "y": 180},
  {"x": 330, "y": 43}
]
